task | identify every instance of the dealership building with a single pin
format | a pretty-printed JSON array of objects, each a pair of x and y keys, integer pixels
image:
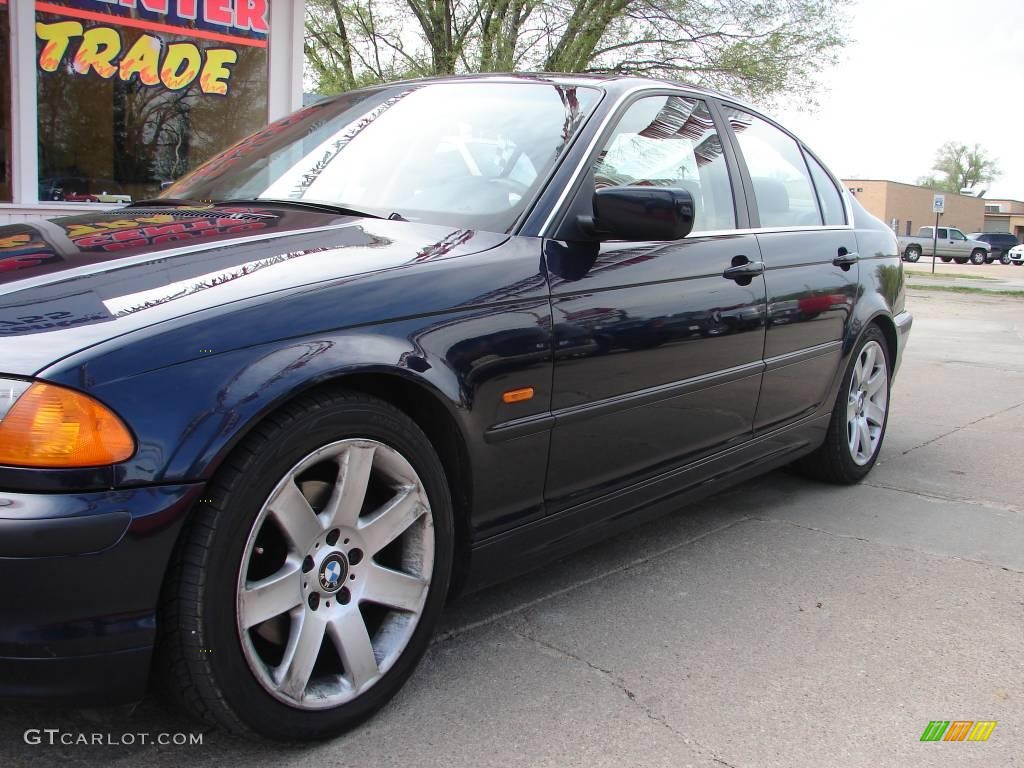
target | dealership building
[{"x": 108, "y": 101}]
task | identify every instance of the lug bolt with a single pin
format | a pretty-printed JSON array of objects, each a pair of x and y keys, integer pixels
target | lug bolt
[
  {"x": 332, "y": 537},
  {"x": 355, "y": 556},
  {"x": 314, "y": 601},
  {"x": 344, "y": 596}
]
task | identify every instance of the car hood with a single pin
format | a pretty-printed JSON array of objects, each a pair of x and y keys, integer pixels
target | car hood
[{"x": 69, "y": 283}]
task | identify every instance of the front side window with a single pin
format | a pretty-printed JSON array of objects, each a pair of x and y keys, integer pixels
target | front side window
[
  {"x": 956, "y": 234},
  {"x": 782, "y": 186},
  {"x": 671, "y": 141},
  {"x": 131, "y": 99},
  {"x": 466, "y": 154}
]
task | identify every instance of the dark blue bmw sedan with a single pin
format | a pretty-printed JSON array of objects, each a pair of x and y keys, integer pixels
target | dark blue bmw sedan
[{"x": 412, "y": 340}]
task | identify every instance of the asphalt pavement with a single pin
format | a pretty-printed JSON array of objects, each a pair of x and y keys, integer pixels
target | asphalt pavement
[{"x": 783, "y": 623}]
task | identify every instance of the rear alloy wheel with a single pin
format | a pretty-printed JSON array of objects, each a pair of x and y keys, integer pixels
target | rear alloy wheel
[
  {"x": 912, "y": 254},
  {"x": 859, "y": 417},
  {"x": 978, "y": 256},
  {"x": 1005, "y": 258},
  {"x": 305, "y": 592},
  {"x": 867, "y": 403}
]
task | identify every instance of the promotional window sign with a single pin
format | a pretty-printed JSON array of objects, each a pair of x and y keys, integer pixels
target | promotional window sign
[{"x": 134, "y": 39}]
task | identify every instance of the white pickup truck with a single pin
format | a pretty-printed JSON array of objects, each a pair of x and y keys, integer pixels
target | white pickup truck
[{"x": 952, "y": 245}]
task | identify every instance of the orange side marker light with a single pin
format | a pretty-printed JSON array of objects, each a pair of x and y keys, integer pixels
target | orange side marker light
[{"x": 518, "y": 395}]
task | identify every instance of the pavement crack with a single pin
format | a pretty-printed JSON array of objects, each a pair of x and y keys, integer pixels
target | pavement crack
[
  {"x": 876, "y": 542},
  {"x": 956, "y": 429},
  {"x": 635, "y": 563},
  {"x": 618, "y": 683},
  {"x": 932, "y": 495}
]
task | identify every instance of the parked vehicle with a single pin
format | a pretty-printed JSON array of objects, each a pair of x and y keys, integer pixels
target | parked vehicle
[
  {"x": 1016, "y": 255},
  {"x": 1000, "y": 244},
  {"x": 951, "y": 245},
  {"x": 263, "y": 439}
]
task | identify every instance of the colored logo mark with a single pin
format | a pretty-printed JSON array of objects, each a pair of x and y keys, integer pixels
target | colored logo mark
[{"x": 958, "y": 730}]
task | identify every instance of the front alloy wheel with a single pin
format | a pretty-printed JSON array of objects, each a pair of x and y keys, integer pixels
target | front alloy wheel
[
  {"x": 310, "y": 578},
  {"x": 335, "y": 573}
]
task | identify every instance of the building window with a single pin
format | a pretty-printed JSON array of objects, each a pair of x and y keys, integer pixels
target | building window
[
  {"x": 5, "y": 103},
  {"x": 132, "y": 98}
]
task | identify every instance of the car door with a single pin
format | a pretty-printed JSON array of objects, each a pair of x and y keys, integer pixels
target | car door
[
  {"x": 958, "y": 242},
  {"x": 809, "y": 250},
  {"x": 658, "y": 352},
  {"x": 943, "y": 244}
]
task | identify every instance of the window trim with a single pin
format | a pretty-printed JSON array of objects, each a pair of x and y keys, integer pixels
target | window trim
[{"x": 24, "y": 112}]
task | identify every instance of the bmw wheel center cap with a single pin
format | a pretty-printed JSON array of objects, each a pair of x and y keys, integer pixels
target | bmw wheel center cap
[{"x": 333, "y": 571}]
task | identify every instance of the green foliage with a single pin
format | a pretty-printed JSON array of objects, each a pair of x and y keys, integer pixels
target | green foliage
[
  {"x": 958, "y": 166},
  {"x": 758, "y": 49}
]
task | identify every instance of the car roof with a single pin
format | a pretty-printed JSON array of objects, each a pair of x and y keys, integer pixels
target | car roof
[{"x": 604, "y": 81}]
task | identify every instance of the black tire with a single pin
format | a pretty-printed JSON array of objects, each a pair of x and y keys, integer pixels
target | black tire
[
  {"x": 961, "y": 259},
  {"x": 978, "y": 256},
  {"x": 831, "y": 462},
  {"x": 200, "y": 661},
  {"x": 912, "y": 254},
  {"x": 946, "y": 259}
]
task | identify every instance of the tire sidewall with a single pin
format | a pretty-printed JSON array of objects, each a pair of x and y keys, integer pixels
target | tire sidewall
[{"x": 217, "y": 632}]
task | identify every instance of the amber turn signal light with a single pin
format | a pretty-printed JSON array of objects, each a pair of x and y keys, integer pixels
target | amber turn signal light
[
  {"x": 518, "y": 395},
  {"x": 52, "y": 427}
]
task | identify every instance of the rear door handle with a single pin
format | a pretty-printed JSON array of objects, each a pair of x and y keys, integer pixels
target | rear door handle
[
  {"x": 741, "y": 271},
  {"x": 845, "y": 258}
]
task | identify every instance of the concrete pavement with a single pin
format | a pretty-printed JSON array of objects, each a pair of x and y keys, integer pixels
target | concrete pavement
[{"x": 783, "y": 623}]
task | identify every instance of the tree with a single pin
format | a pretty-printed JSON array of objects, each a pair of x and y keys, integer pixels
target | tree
[
  {"x": 756, "y": 48},
  {"x": 958, "y": 166}
]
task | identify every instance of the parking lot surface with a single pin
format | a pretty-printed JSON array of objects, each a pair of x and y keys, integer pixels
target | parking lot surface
[{"x": 783, "y": 623}]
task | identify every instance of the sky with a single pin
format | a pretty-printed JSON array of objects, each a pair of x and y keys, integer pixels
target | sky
[{"x": 918, "y": 73}]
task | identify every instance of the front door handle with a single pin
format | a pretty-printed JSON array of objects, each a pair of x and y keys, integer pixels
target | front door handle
[
  {"x": 845, "y": 258},
  {"x": 744, "y": 271}
]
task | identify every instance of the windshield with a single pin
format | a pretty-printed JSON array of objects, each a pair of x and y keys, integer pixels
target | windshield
[{"x": 465, "y": 154}]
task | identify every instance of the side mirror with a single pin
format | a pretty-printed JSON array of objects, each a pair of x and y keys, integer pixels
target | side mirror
[{"x": 640, "y": 214}]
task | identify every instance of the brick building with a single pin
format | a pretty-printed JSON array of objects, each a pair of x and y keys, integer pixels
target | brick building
[{"x": 907, "y": 207}]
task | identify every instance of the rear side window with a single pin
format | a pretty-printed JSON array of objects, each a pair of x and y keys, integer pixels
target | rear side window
[
  {"x": 782, "y": 185},
  {"x": 828, "y": 195}
]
